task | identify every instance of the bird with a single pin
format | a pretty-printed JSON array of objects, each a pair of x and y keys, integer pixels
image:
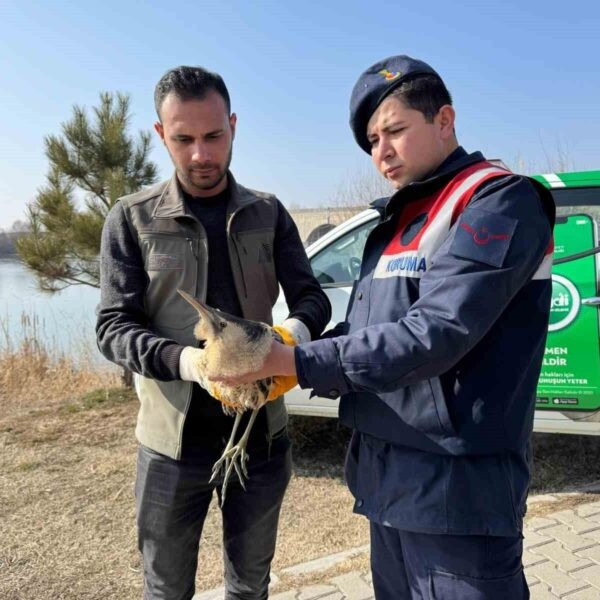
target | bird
[{"x": 231, "y": 346}]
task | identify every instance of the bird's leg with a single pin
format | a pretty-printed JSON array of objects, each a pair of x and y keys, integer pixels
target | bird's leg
[
  {"x": 228, "y": 448},
  {"x": 237, "y": 458},
  {"x": 244, "y": 442}
]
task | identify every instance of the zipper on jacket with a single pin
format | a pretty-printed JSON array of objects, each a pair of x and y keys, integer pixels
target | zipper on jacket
[
  {"x": 190, "y": 241},
  {"x": 237, "y": 250},
  {"x": 237, "y": 253},
  {"x": 193, "y": 247},
  {"x": 205, "y": 249}
]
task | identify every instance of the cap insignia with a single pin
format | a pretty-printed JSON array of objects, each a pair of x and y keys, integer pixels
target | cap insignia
[{"x": 390, "y": 75}]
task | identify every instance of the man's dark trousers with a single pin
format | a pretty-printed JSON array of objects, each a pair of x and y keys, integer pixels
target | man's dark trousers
[
  {"x": 172, "y": 500},
  {"x": 420, "y": 566}
]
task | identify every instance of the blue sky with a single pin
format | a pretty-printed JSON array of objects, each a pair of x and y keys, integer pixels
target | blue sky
[{"x": 524, "y": 75}]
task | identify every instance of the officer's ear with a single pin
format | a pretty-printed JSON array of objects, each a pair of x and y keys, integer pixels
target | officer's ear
[
  {"x": 160, "y": 130},
  {"x": 445, "y": 121}
]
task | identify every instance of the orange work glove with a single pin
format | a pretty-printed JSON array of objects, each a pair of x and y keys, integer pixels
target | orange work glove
[{"x": 282, "y": 383}]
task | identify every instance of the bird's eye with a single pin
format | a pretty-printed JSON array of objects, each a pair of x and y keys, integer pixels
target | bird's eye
[{"x": 223, "y": 324}]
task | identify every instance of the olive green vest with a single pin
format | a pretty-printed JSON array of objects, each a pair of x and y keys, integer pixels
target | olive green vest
[{"x": 173, "y": 246}]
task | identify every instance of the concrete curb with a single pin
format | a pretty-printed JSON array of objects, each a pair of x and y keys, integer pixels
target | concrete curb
[
  {"x": 325, "y": 562},
  {"x": 355, "y": 586},
  {"x": 311, "y": 566}
]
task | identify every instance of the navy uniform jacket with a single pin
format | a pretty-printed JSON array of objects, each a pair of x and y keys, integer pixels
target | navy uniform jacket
[{"x": 444, "y": 341}]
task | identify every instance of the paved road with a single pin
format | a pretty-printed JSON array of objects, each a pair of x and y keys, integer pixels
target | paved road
[{"x": 561, "y": 558}]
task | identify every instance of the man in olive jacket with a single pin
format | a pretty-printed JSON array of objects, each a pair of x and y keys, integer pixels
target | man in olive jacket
[{"x": 231, "y": 247}]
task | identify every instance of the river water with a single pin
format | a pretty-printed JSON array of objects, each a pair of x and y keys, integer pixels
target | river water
[{"x": 62, "y": 322}]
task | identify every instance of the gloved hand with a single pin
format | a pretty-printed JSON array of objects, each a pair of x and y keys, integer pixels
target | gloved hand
[
  {"x": 189, "y": 361},
  {"x": 297, "y": 329},
  {"x": 291, "y": 332}
]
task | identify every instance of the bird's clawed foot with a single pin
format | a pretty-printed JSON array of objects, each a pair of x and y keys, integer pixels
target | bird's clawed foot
[{"x": 234, "y": 457}]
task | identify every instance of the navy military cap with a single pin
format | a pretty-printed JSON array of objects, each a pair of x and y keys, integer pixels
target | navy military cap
[{"x": 374, "y": 85}]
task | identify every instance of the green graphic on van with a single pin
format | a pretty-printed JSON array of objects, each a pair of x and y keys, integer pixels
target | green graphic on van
[
  {"x": 565, "y": 303},
  {"x": 570, "y": 378}
]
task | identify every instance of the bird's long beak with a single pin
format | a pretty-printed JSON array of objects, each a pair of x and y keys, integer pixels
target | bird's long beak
[{"x": 206, "y": 312}]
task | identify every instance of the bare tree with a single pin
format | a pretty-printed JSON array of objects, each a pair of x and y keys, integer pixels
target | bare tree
[
  {"x": 559, "y": 160},
  {"x": 20, "y": 226},
  {"x": 360, "y": 187},
  {"x": 9, "y": 237}
]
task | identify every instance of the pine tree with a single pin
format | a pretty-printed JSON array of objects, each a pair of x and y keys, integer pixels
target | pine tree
[{"x": 94, "y": 162}]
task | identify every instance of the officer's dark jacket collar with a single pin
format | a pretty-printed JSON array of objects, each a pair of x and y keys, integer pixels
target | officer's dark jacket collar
[{"x": 455, "y": 162}]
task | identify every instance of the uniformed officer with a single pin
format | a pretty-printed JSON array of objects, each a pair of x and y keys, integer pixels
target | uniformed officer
[{"x": 439, "y": 355}]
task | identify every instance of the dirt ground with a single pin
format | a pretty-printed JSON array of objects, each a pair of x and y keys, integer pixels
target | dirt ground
[{"x": 67, "y": 519}]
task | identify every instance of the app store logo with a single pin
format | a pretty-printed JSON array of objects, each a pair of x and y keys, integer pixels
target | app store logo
[{"x": 565, "y": 303}]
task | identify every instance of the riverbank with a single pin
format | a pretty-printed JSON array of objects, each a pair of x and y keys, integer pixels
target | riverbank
[
  {"x": 8, "y": 243},
  {"x": 36, "y": 375},
  {"x": 63, "y": 322}
]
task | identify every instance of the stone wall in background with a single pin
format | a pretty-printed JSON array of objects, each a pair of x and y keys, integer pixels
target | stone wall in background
[{"x": 314, "y": 222}]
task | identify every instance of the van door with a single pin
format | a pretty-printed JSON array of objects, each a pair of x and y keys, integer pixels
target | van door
[{"x": 568, "y": 393}]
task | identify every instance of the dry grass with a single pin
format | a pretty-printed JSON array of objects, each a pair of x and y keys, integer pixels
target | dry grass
[
  {"x": 564, "y": 462},
  {"x": 35, "y": 374},
  {"x": 67, "y": 519},
  {"x": 67, "y": 468},
  {"x": 543, "y": 508}
]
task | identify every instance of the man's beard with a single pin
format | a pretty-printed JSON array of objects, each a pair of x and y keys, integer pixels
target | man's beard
[{"x": 208, "y": 183}]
